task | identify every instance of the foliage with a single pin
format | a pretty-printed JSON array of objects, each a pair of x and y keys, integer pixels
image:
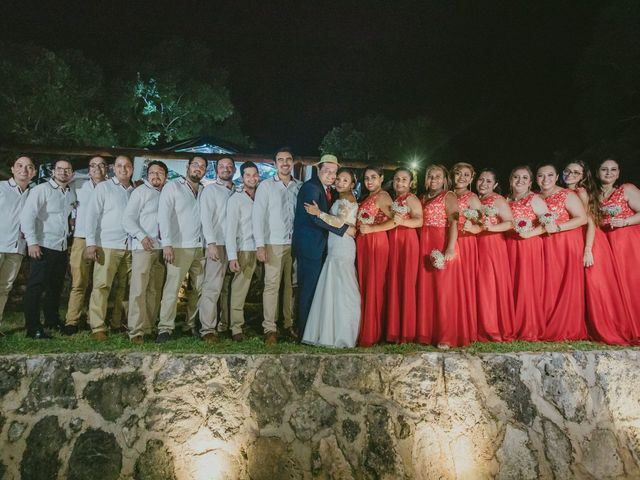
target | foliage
[
  {"x": 169, "y": 92},
  {"x": 378, "y": 139},
  {"x": 51, "y": 98},
  {"x": 174, "y": 93}
]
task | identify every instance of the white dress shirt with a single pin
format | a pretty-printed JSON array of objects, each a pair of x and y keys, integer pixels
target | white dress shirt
[
  {"x": 140, "y": 218},
  {"x": 104, "y": 215},
  {"x": 45, "y": 217},
  {"x": 12, "y": 200},
  {"x": 179, "y": 215},
  {"x": 83, "y": 194},
  {"x": 273, "y": 211},
  {"x": 213, "y": 211},
  {"x": 239, "y": 232}
]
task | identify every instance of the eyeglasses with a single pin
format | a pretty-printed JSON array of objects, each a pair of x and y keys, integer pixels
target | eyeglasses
[
  {"x": 566, "y": 173},
  {"x": 64, "y": 170},
  {"x": 97, "y": 165}
]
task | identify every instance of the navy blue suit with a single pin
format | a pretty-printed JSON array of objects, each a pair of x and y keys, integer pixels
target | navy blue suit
[{"x": 309, "y": 245}]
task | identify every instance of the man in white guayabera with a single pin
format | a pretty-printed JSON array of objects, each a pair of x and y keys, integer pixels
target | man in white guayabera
[
  {"x": 147, "y": 271},
  {"x": 241, "y": 247},
  {"x": 213, "y": 208},
  {"x": 45, "y": 222},
  {"x": 13, "y": 195},
  {"x": 108, "y": 245},
  {"x": 182, "y": 244},
  {"x": 82, "y": 268},
  {"x": 273, "y": 212}
]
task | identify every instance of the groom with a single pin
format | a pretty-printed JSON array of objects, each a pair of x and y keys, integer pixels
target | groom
[{"x": 309, "y": 240}]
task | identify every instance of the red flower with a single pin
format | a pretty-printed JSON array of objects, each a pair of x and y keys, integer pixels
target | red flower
[
  {"x": 364, "y": 215},
  {"x": 522, "y": 223}
]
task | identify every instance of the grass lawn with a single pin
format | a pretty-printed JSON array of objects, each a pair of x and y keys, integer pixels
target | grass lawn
[{"x": 15, "y": 342}]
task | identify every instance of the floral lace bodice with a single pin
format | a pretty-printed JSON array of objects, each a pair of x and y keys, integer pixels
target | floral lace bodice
[
  {"x": 556, "y": 204},
  {"x": 522, "y": 209},
  {"x": 400, "y": 207},
  {"x": 343, "y": 211},
  {"x": 489, "y": 209},
  {"x": 434, "y": 211},
  {"x": 369, "y": 210},
  {"x": 615, "y": 206},
  {"x": 463, "y": 204}
]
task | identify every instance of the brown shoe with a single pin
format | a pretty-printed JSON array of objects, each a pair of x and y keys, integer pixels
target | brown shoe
[
  {"x": 270, "y": 338},
  {"x": 290, "y": 334},
  {"x": 99, "y": 336},
  {"x": 238, "y": 337},
  {"x": 210, "y": 338},
  {"x": 137, "y": 340}
]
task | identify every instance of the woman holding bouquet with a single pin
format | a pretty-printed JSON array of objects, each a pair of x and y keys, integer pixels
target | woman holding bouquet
[
  {"x": 608, "y": 318},
  {"x": 526, "y": 255},
  {"x": 372, "y": 255},
  {"x": 403, "y": 260},
  {"x": 495, "y": 288},
  {"x": 563, "y": 259},
  {"x": 437, "y": 250},
  {"x": 620, "y": 207}
]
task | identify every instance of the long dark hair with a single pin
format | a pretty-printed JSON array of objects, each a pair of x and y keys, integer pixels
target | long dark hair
[
  {"x": 497, "y": 188},
  {"x": 593, "y": 192}
]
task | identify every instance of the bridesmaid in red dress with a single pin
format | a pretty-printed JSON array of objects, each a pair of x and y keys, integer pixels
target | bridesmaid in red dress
[
  {"x": 402, "y": 274},
  {"x": 439, "y": 234},
  {"x": 372, "y": 255},
  {"x": 608, "y": 317},
  {"x": 564, "y": 298},
  {"x": 526, "y": 255},
  {"x": 495, "y": 288},
  {"x": 465, "y": 269},
  {"x": 620, "y": 206}
]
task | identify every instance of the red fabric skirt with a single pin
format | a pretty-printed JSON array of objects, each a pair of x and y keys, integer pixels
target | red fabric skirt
[
  {"x": 431, "y": 238},
  {"x": 625, "y": 246},
  {"x": 495, "y": 290},
  {"x": 456, "y": 314},
  {"x": 402, "y": 275},
  {"x": 608, "y": 316},
  {"x": 372, "y": 257},
  {"x": 564, "y": 298},
  {"x": 526, "y": 260}
]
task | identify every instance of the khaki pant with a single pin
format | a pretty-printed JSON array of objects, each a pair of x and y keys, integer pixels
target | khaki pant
[
  {"x": 278, "y": 269},
  {"x": 81, "y": 271},
  {"x": 112, "y": 264},
  {"x": 239, "y": 289},
  {"x": 9, "y": 269},
  {"x": 212, "y": 288},
  {"x": 147, "y": 277},
  {"x": 186, "y": 260}
]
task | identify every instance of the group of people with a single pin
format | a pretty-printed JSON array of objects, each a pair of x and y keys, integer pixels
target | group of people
[{"x": 446, "y": 269}]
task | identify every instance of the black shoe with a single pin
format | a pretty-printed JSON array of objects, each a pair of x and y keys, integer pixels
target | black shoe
[
  {"x": 39, "y": 335},
  {"x": 163, "y": 337},
  {"x": 70, "y": 330},
  {"x": 56, "y": 327}
]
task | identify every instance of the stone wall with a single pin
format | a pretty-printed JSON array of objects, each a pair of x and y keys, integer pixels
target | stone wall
[{"x": 156, "y": 416}]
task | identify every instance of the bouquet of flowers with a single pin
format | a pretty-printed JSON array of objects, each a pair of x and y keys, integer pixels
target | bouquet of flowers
[
  {"x": 365, "y": 218},
  {"x": 437, "y": 259},
  {"x": 547, "y": 218},
  {"x": 522, "y": 225},
  {"x": 488, "y": 211},
  {"x": 611, "y": 210},
  {"x": 471, "y": 214},
  {"x": 399, "y": 209}
]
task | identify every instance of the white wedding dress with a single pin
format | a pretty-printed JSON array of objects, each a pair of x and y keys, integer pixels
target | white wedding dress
[{"x": 334, "y": 318}]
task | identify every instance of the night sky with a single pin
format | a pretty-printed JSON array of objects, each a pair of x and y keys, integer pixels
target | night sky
[{"x": 498, "y": 77}]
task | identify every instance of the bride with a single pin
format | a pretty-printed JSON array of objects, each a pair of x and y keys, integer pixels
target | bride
[{"x": 334, "y": 319}]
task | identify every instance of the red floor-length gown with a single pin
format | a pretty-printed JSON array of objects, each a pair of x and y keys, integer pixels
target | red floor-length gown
[
  {"x": 372, "y": 256},
  {"x": 526, "y": 258},
  {"x": 496, "y": 313},
  {"x": 443, "y": 316},
  {"x": 467, "y": 279},
  {"x": 625, "y": 248},
  {"x": 564, "y": 297},
  {"x": 402, "y": 276}
]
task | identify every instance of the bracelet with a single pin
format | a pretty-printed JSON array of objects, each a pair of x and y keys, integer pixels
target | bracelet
[{"x": 559, "y": 227}]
